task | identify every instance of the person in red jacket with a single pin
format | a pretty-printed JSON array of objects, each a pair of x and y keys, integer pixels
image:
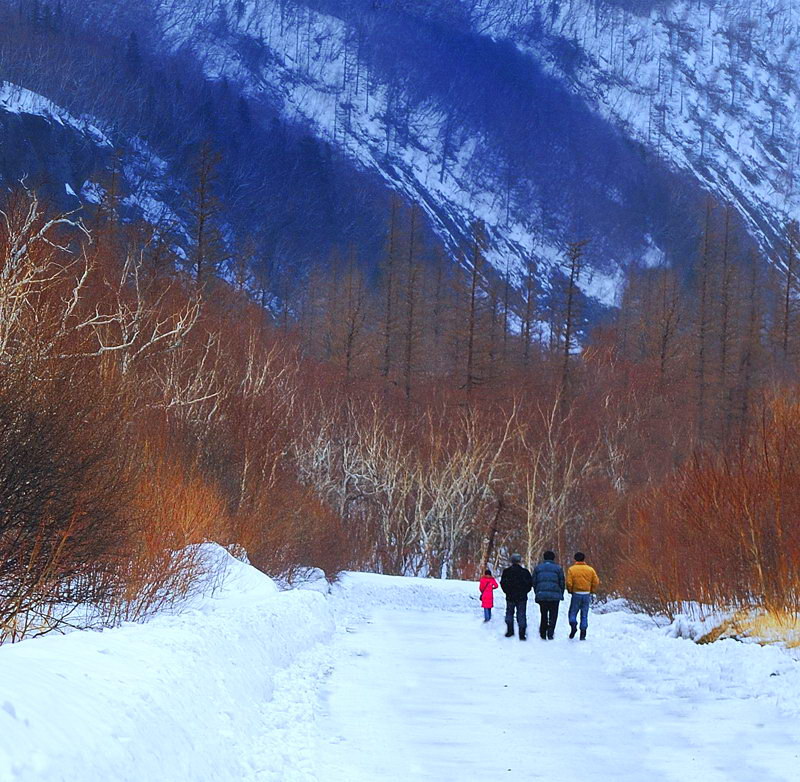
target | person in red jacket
[{"x": 487, "y": 586}]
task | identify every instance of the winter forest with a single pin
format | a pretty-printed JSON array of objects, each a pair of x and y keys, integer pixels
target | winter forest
[{"x": 338, "y": 290}]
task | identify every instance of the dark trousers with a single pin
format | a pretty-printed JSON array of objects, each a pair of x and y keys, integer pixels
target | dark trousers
[
  {"x": 520, "y": 606},
  {"x": 549, "y": 610}
]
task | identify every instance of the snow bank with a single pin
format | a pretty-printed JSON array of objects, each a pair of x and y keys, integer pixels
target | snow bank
[
  {"x": 178, "y": 698},
  {"x": 645, "y": 659},
  {"x": 357, "y": 594},
  {"x": 696, "y": 625}
]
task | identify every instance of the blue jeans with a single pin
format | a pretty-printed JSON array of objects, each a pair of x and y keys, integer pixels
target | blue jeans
[
  {"x": 487, "y": 614},
  {"x": 580, "y": 603},
  {"x": 520, "y": 607}
]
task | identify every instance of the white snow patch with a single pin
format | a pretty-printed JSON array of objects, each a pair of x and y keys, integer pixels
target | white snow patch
[
  {"x": 185, "y": 697},
  {"x": 92, "y": 192},
  {"x": 19, "y": 100}
]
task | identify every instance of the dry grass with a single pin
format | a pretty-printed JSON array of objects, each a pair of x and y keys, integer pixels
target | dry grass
[{"x": 762, "y": 627}]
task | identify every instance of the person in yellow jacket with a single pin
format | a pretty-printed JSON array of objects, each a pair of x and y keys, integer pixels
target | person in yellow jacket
[{"x": 582, "y": 583}]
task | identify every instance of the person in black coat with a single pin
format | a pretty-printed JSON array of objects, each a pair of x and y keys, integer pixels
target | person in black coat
[
  {"x": 548, "y": 585},
  {"x": 516, "y": 582}
]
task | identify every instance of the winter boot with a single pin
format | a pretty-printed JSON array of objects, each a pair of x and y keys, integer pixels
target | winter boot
[
  {"x": 543, "y": 635},
  {"x": 573, "y": 631},
  {"x": 550, "y": 636},
  {"x": 509, "y": 630},
  {"x": 583, "y": 635},
  {"x": 521, "y": 633}
]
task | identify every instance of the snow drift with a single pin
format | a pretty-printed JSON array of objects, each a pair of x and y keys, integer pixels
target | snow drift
[
  {"x": 170, "y": 699},
  {"x": 253, "y": 684}
]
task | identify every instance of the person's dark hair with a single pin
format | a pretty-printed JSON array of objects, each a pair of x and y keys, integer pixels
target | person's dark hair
[
  {"x": 549, "y": 556},
  {"x": 580, "y": 556},
  {"x": 487, "y": 572}
]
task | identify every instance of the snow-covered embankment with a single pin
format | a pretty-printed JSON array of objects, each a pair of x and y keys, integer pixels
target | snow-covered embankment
[
  {"x": 178, "y": 698},
  {"x": 253, "y": 684}
]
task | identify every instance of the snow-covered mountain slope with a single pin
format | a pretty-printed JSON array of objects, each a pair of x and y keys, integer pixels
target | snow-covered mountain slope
[
  {"x": 549, "y": 120},
  {"x": 462, "y": 124},
  {"x": 712, "y": 87},
  {"x": 432, "y": 98},
  {"x": 43, "y": 145},
  {"x": 287, "y": 198},
  {"x": 18, "y": 100}
]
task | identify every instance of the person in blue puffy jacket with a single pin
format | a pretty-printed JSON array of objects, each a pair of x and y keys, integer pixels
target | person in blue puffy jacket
[{"x": 548, "y": 586}]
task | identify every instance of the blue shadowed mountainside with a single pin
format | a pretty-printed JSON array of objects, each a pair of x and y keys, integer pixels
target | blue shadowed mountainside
[{"x": 550, "y": 122}]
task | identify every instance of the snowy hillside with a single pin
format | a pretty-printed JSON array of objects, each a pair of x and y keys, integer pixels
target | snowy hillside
[
  {"x": 712, "y": 87},
  {"x": 44, "y": 145},
  {"x": 386, "y": 678},
  {"x": 47, "y": 147},
  {"x": 18, "y": 100},
  {"x": 551, "y": 121},
  {"x": 462, "y": 125},
  {"x": 311, "y": 62},
  {"x": 709, "y": 88}
]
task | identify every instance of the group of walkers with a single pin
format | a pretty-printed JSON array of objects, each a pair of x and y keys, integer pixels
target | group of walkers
[{"x": 548, "y": 583}]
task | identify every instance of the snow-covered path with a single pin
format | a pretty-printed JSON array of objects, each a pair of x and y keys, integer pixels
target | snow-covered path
[
  {"x": 382, "y": 679},
  {"x": 418, "y": 694}
]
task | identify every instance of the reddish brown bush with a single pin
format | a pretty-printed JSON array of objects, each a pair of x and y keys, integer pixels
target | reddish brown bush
[
  {"x": 723, "y": 529},
  {"x": 402, "y": 426},
  {"x": 172, "y": 509},
  {"x": 66, "y": 486}
]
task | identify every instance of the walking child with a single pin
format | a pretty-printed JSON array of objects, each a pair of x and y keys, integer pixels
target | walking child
[{"x": 487, "y": 585}]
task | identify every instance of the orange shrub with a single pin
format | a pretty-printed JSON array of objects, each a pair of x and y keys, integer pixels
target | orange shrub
[
  {"x": 724, "y": 529},
  {"x": 172, "y": 509}
]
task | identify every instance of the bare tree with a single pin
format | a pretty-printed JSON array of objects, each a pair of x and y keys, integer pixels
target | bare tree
[
  {"x": 207, "y": 252},
  {"x": 574, "y": 269}
]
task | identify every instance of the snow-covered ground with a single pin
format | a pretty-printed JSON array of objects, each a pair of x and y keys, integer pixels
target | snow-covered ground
[
  {"x": 197, "y": 696},
  {"x": 423, "y": 690},
  {"x": 390, "y": 679}
]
